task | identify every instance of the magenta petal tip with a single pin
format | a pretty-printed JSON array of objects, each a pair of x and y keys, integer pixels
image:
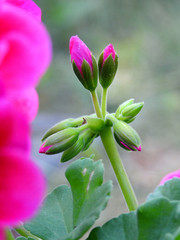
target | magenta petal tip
[
  {"x": 108, "y": 51},
  {"x": 44, "y": 149}
]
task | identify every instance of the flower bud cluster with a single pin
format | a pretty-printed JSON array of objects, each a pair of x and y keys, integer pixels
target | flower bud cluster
[{"x": 71, "y": 136}]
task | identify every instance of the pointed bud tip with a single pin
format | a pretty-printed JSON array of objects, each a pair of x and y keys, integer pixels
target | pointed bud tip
[
  {"x": 108, "y": 51},
  {"x": 44, "y": 149},
  {"x": 139, "y": 148},
  {"x": 71, "y": 41}
]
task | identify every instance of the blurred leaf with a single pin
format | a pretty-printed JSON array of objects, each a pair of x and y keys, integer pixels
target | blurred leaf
[
  {"x": 170, "y": 190},
  {"x": 69, "y": 212},
  {"x": 24, "y": 238}
]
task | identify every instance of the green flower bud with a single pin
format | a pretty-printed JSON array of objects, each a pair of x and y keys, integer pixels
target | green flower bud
[
  {"x": 58, "y": 127},
  {"x": 123, "y": 106},
  {"x": 126, "y": 136},
  {"x": 128, "y": 111},
  {"x": 132, "y": 110},
  {"x": 60, "y": 141},
  {"x": 108, "y": 62},
  {"x": 84, "y": 141}
]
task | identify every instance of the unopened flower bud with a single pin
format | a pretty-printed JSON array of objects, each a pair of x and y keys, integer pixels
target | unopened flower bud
[
  {"x": 44, "y": 149},
  {"x": 84, "y": 63},
  {"x": 108, "y": 62},
  {"x": 126, "y": 136},
  {"x": 128, "y": 111},
  {"x": 70, "y": 122},
  {"x": 60, "y": 141},
  {"x": 84, "y": 141},
  {"x": 122, "y": 106},
  {"x": 132, "y": 110}
]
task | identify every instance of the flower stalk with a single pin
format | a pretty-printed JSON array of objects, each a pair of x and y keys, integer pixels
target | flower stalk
[{"x": 114, "y": 157}]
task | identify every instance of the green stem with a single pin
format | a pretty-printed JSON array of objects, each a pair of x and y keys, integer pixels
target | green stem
[
  {"x": 23, "y": 232},
  {"x": 104, "y": 102},
  {"x": 113, "y": 154},
  {"x": 96, "y": 104}
]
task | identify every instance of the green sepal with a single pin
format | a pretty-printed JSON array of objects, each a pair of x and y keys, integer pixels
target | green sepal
[
  {"x": 72, "y": 151},
  {"x": 61, "y": 136},
  {"x": 95, "y": 124},
  {"x": 95, "y": 72},
  {"x": 63, "y": 145},
  {"x": 125, "y": 135},
  {"x": 122, "y": 106},
  {"x": 79, "y": 76},
  {"x": 100, "y": 61},
  {"x": 107, "y": 72},
  {"x": 129, "y": 120},
  {"x": 132, "y": 110},
  {"x": 84, "y": 141},
  {"x": 91, "y": 82},
  {"x": 126, "y": 119},
  {"x": 70, "y": 122}
]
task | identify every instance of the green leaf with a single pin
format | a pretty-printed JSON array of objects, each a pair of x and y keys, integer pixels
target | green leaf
[
  {"x": 156, "y": 219},
  {"x": 24, "y": 238},
  {"x": 67, "y": 212},
  {"x": 122, "y": 228},
  {"x": 170, "y": 190}
]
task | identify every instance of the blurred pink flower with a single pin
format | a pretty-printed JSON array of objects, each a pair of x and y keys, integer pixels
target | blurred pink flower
[
  {"x": 26, "y": 101},
  {"x": 14, "y": 128},
  {"x": 22, "y": 185},
  {"x": 108, "y": 51},
  {"x": 27, "y": 5},
  {"x": 25, "y": 48},
  {"x": 170, "y": 176},
  {"x": 2, "y": 237},
  {"x": 79, "y": 52}
]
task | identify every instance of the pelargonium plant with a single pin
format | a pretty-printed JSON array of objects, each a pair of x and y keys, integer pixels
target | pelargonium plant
[{"x": 69, "y": 211}]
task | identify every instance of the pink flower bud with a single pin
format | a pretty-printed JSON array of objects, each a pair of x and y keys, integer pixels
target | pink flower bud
[
  {"x": 170, "y": 176},
  {"x": 108, "y": 62},
  {"x": 79, "y": 52},
  {"x": 84, "y": 63},
  {"x": 108, "y": 51}
]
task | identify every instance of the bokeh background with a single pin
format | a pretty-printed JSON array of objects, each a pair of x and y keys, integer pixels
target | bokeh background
[{"x": 146, "y": 37}]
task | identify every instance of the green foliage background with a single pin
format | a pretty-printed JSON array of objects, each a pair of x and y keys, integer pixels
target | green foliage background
[{"x": 146, "y": 37}]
